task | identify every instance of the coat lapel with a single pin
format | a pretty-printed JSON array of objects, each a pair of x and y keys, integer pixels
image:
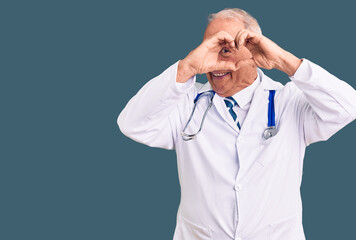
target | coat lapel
[
  {"x": 256, "y": 120},
  {"x": 259, "y": 105},
  {"x": 219, "y": 105}
]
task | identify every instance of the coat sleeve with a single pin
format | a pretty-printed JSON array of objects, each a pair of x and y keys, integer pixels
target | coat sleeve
[
  {"x": 150, "y": 117},
  {"x": 326, "y": 104}
]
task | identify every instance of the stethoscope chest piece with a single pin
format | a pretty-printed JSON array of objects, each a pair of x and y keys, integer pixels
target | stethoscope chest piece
[{"x": 269, "y": 132}]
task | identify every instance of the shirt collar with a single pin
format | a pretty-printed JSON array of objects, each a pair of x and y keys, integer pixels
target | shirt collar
[{"x": 244, "y": 96}]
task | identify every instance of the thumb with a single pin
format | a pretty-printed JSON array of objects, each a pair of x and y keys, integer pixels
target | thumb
[
  {"x": 245, "y": 63},
  {"x": 225, "y": 66}
]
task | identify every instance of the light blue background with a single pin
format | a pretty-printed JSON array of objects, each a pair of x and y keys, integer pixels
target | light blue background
[{"x": 69, "y": 67}]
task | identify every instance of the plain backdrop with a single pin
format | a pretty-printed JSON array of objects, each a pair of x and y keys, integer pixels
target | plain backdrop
[{"x": 67, "y": 69}]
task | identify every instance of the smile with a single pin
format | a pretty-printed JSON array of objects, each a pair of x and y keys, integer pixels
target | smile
[{"x": 219, "y": 75}]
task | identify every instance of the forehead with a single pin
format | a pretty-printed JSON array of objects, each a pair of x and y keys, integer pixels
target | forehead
[{"x": 230, "y": 25}]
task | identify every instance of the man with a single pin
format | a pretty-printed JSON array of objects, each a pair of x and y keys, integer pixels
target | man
[{"x": 239, "y": 180}]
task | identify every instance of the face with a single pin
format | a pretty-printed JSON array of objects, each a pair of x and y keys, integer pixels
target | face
[{"x": 228, "y": 83}]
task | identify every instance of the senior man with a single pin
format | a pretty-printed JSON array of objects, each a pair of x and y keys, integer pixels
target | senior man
[{"x": 240, "y": 175}]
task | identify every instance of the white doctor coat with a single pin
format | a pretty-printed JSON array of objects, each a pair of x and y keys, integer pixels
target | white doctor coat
[{"x": 234, "y": 184}]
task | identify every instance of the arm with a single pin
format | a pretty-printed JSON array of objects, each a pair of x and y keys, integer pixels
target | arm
[
  {"x": 327, "y": 103},
  {"x": 147, "y": 116},
  {"x": 155, "y": 114}
]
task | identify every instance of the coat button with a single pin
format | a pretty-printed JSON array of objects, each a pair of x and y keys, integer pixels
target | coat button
[
  {"x": 240, "y": 139},
  {"x": 237, "y": 187},
  {"x": 238, "y": 238}
]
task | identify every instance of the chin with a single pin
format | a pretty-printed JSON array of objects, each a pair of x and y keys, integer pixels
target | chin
[
  {"x": 220, "y": 86},
  {"x": 222, "y": 92},
  {"x": 219, "y": 89}
]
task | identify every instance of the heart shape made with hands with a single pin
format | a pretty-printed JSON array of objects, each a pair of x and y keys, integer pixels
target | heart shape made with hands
[
  {"x": 222, "y": 52},
  {"x": 232, "y": 59},
  {"x": 246, "y": 49}
]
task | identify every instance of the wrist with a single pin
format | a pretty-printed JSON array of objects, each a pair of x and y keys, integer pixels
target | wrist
[
  {"x": 289, "y": 64},
  {"x": 184, "y": 72}
]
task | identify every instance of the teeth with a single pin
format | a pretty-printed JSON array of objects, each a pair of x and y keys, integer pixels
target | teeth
[{"x": 219, "y": 74}]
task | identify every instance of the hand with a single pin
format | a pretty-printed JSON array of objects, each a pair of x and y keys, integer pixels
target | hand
[
  {"x": 265, "y": 53},
  {"x": 205, "y": 58}
]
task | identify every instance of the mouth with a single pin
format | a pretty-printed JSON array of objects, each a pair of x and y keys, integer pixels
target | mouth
[{"x": 219, "y": 75}]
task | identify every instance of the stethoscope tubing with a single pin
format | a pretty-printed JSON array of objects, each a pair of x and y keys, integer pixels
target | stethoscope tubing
[
  {"x": 187, "y": 137},
  {"x": 269, "y": 132}
]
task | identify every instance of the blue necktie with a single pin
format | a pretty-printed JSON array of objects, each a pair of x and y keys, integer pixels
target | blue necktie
[{"x": 230, "y": 103}]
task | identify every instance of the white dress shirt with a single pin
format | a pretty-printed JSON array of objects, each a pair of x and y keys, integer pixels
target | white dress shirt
[{"x": 244, "y": 98}]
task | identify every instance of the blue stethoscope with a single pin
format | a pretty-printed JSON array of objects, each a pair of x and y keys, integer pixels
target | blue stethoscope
[{"x": 269, "y": 132}]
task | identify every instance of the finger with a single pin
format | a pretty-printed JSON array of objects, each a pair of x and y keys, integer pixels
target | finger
[
  {"x": 225, "y": 66},
  {"x": 238, "y": 37},
  {"x": 243, "y": 37},
  {"x": 223, "y": 37},
  {"x": 232, "y": 44},
  {"x": 224, "y": 43},
  {"x": 245, "y": 63}
]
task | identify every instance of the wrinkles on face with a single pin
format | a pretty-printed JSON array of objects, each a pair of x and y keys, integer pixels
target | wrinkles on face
[{"x": 235, "y": 80}]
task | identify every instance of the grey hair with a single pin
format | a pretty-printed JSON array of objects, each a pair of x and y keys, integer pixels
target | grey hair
[{"x": 239, "y": 14}]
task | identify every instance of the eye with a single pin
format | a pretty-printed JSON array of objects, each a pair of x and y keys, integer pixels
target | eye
[{"x": 225, "y": 51}]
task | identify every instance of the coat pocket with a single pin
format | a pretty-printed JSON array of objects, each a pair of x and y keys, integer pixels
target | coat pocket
[
  {"x": 186, "y": 230},
  {"x": 289, "y": 228}
]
